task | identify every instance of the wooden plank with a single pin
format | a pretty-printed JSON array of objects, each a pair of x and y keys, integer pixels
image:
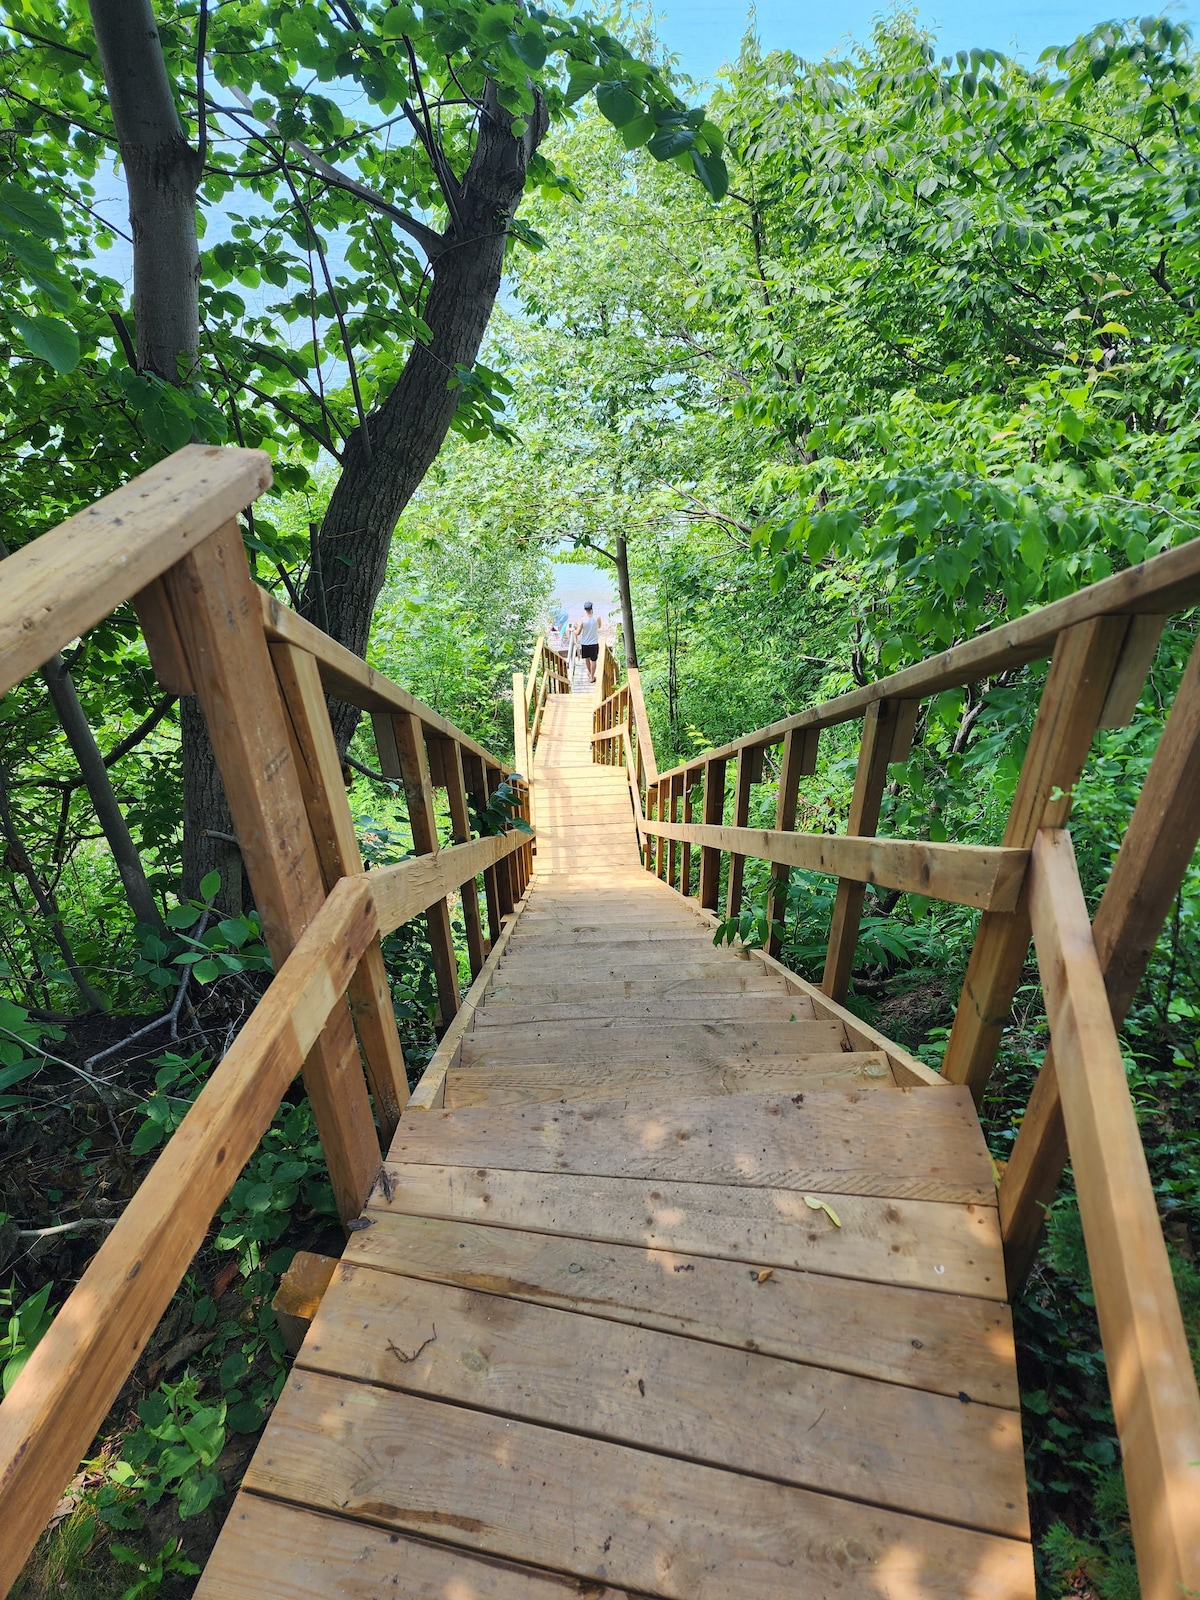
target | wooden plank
[
  {"x": 714, "y": 813},
  {"x": 685, "y": 871},
  {"x": 51, "y": 1413},
  {"x": 370, "y": 992},
  {"x": 280, "y": 1552},
  {"x": 799, "y": 761},
  {"x": 605, "y": 1512},
  {"x": 157, "y": 622},
  {"x": 213, "y": 601},
  {"x": 906, "y": 1143},
  {"x": 963, "y": 874},
  {"x": 741, "y": 816},
  {"x": 460, "y": 820},
  {"x": 1074, "y": 694},
  {"x": 887, "y": 731},
  {"x": 646, "y": 1082},
  {"x": 737, "y": 980},
  {"x": 1167, "y": 583},
  {"x": 407, "y": 888},
  {"x": 668, "y": 1041},
  {"x": 1155, "y": 852},
  {"x": 682, "y": 1008},
  {"x": 1151, "y": 1379},
  {"x": 936, "y": 1247},
  {"x": 65, "y": 582},
  {"x": 641, "y": 723},
  {"x": 401, "y": 743},
  {"x": 1133, "y": 666},
  {"x": 792, "y": 1423},
  {"x": 347, "y": 677},
  {"x": 431, "y": 1090}
]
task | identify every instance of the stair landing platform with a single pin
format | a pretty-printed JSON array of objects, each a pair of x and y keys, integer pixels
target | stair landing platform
[{"x": 676, "y": 1294}]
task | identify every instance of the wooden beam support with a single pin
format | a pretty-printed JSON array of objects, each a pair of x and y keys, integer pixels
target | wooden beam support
[
  {"x": 370, "y": 992},
  {"x": 403, "y": 891},
  {"x": 400, "y": 740},
  {"x": 216, "y": 612},
  {"x": 799, "y": 760},
  {"x": 887, "y": 734},
  {"x": 662, "y": 808},
  {"x": 1075, "y": 693},
  {"x": 1155, "y": 852},
  {"x": 743, "y": 783},
  {"x": 685, "y": 869},
  {"x": 714, "y": 816},
  {"x": 1153, "y": 1385},
  {"x": 460, "y": 822}
]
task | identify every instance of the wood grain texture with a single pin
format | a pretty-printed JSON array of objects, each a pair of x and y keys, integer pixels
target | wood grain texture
[
  {"x": 280, "y": 1552},
  {"x": 942, "y": 1247},
  {"x": 962, "y": 874},
  {"x": 605, "y": 1512},
  {"x": 925, "y": 1339},
  {"x": 882, "y": 1443},
  {"x": 905, "y": 1143},
  {"x": 63, "y": 583},
  {"x": 643, "y": 1082},
  {"x": 1153, "y": 1385}
]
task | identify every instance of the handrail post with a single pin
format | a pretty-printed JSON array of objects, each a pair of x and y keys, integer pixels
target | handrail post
[
  {"x": 400, "y": 739},
  {"x": 749, "y": 770},
  {"x": 217, "y": 617},
  {"x": 799, "y": 761},
  {"x": 887, "y": 734},
  {"x": 1076, "y": 689},
  {"x": 714, "y": 814}
]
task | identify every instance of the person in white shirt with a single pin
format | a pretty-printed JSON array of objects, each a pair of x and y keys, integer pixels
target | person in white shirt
[{"x": 588, "y": 631}]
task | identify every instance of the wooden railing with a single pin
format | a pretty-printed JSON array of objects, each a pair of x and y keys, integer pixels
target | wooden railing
[
  {"x": 1101, "y": 643},
  {"x": 170, "y": 541},
  {"x": 548, "y": 674}
]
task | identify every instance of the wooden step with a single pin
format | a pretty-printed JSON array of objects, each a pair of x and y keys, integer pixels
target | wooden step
[
  {"x": 636, "y": 1081},
  {"x": 718, "y": 981},
  {"x": 922, "y": 1143},
  {"x": 797, "y": 1424},
  {"x": 939, "y": 1246},
  {"x": 603, "y": 1040},
  {"x": 682, "y": 1008}
]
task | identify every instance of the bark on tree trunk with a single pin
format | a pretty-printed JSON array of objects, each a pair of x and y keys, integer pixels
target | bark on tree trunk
[
  {"x": 162, "y": 173},
  {"x": 381, "y": 472},
  {"x": 631, "y": 659}
]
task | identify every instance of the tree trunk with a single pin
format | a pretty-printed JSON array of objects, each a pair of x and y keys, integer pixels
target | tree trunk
[
  {"x": 631, "y": 659},
  {"x": 162, "y": 173},
  {"x": 382, "y": 470},
  {"x": 100, "y": 791}
]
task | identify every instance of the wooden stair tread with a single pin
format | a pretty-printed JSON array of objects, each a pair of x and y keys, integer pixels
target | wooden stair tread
[
  {"x": 925, "y": 1339},
  {"x": 635, "y": 1082},
  {"x": 657, "y": 1391},
  {"x": 727, "y": 1007},
  {"x": 605, "y": 1512},
  {"x": 906, "y": 1143}
]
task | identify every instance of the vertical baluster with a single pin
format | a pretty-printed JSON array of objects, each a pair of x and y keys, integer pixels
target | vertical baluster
[
  {"x": 714, "y": 816},
  {"x": 799, "y": 761}
]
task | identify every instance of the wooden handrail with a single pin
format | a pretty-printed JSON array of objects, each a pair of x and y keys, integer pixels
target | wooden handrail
[
  {"x": 1153, "y": 1385},
  {"x": 962, "y": 874},
  {"x": 260, "y": 673},
  {"x": 1155, "y": 589}
]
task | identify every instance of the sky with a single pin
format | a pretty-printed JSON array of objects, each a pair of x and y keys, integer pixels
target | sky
[{"x": 706, "y": 33}]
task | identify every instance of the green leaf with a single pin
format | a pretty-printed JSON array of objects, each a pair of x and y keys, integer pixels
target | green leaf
[
  {"x": 29, "y": 211},
  {"x": 672, "y": 142},
  {"x": 529, "y": 47},
  {"x": 50, "y": 338},
  {"x": 617, "y": 104},
  {"x": 147, "y": 1137},
  {"x": 712, "y": 172},
  {"x": 210, "y": 885},
  {"x": 206, "y": 970},
  {"x": 18, "y": 1073}
]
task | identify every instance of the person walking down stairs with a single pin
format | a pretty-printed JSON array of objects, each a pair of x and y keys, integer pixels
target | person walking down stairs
[{"x": 588, "y": 629}]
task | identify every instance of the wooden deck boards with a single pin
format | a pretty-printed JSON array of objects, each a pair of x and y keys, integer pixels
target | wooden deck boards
[{"x": 679, "y": 1296}]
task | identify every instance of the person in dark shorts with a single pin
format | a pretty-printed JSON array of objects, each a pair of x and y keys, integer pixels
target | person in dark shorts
[{"x": 589, "y": 639}]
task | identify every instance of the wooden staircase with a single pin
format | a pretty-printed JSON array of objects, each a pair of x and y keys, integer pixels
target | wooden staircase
[{"x": 600, "y": 1332}]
